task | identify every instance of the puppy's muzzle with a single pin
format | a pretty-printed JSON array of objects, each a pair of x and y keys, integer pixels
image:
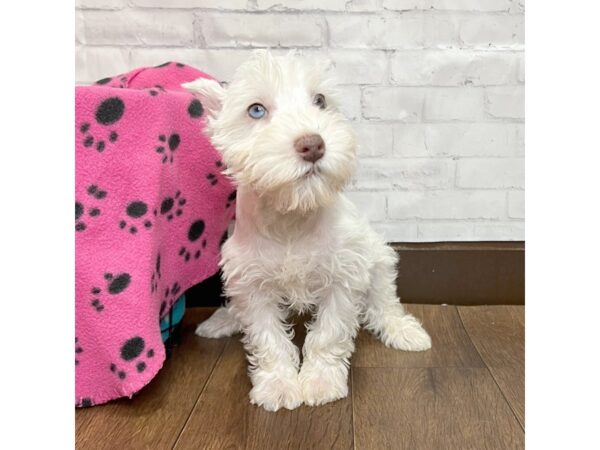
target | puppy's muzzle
[{"x": 310, "y": 147}]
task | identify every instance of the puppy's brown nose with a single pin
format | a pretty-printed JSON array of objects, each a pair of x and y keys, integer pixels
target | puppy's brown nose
[{"x": 310, "y": 147}]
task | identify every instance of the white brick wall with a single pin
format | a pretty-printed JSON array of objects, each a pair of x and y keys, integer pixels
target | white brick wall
[{"x": 435, "y": 89}]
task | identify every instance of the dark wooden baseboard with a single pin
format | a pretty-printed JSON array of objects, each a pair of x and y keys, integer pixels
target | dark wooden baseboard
[
  {"x": 462, "y": 273},
  {"x": 455, "y": 273}
]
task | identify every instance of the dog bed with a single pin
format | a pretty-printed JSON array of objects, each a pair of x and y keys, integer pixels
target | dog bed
[{"x": 151, "y": 210}]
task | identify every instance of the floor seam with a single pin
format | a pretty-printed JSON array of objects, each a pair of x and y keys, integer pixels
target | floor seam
[
  {"x": 491, "y": 373},
  {"x": 212, "y": 370},
  {"x": 352, "y": 408},
  {"x": 504, "y": 397}
]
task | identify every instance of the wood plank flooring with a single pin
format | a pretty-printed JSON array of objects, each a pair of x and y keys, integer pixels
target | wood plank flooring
[
  {"x": 498, "y": 333},
  {"x": 467, "y": 392}
]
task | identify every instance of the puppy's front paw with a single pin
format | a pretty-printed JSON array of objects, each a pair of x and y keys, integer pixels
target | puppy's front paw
[
  {"x": 406, "y": 333},
  {"x": 273, "y": 391},
  {"x": 323, "y": 383}
]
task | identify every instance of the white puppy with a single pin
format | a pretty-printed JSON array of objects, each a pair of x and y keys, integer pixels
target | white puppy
[{"x": 298, "y": 243}]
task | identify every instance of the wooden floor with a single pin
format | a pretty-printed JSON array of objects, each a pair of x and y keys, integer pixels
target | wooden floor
[{"x": 467, "y": 392}]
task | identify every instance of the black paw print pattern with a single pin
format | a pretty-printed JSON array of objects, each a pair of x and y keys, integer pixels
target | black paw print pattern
[
  {"x": 156, "y": 275},
  {"x": 171, "y": 207},
  {"x": 195, "y": 109},
  {"x": 195, "y": 231},
  {"x": 211, "y": 177},
  {"x": 104, "y": 81},
  {"x": 108, "y": 113},
  {"x": 177, "y": 64},
  {"x": 85, "y": 403},
  {"x": 114, "y": 285},
  {"x": 95, "y": 193},
  {"x": 156, "y": 90},
  {"x": 78, "y": 350},
  {"x": 131, "y": 352},
  {"x": 231, "y": 199},
  {"x": 170, "y": 295},
  {"x": 136, "y": 210},
  {"x": 167, "y": 146}
]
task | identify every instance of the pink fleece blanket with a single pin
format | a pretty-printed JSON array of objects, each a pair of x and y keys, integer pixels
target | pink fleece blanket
[{"x": 151, "y": 209}]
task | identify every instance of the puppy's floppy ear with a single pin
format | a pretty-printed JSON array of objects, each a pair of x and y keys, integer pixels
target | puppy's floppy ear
[{"x": 211, "y": 93}]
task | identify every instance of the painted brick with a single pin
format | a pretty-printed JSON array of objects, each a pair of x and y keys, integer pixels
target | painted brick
[
  {"x": 444, "y": 231},
  {"x": 364, "y": 5},
  {"x": 79, "y": 26},
  {"x": 374, "y": 139},
  {"x": 137, "y": 28},
  {"x": 434, "y": 89},
  {"x": 353, "y": 66},
  {"x": 506, "y": 102},
  {"x": 448, "y": 205},
  {"x": 449, "y": 5},
  {"x": 372, "y": 207},
  {"x": 521, "y": 68},
  {"x": 440, "y": 31},
  {"x": 94, "y": 63},
  {"x": 520, "y": 145},
  {"x": 516, "y": 204},
  {"x": 491, "y": 173},
  {"x": 493, "y": 31},
  {"x": 444, "y": 104},
  {"x": 455, "y": 139},
  {"x": 301, "y": 5},
  {"x": 409, "y": 140},
  {"x": 517, "y": 7},
  {"x": 259, "y": 30},
  {"x": 218, "y": 4},
  {"x": 350, "y": 101},
  {"x": 406, "y": 31},
  {"x": 511, "y": 231},
  {"x": 472, "y": 139},
  {"x": 372, "y": 31},
  {"x": 101, "y": 4},
  {"x": 453, "y": 68},
  {"x": 397, "y": 231},
  {"x": 219, "y": 63},
  {"x": 391, "y": 103},
  {"x": 404, "y": 174}
]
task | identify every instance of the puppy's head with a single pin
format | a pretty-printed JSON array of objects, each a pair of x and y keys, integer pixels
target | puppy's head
[{"x": 279, "y": 130}]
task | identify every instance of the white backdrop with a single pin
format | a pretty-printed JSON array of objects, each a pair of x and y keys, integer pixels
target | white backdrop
[{"x": 435, "y": 89}]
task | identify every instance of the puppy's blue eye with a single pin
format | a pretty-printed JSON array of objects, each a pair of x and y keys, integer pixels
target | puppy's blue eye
[{"x": 257, "y": 111}]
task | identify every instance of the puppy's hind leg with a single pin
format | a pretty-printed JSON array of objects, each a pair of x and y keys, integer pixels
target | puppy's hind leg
[
  {"x": 384, "y": 315},
  {"x": 221, "y": 324}
]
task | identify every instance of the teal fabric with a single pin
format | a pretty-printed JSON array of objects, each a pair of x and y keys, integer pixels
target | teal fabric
[{"x": 177, "y": 312}]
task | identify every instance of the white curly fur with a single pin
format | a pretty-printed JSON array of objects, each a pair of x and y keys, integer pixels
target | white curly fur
[{"x": 298, "y": 243}]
